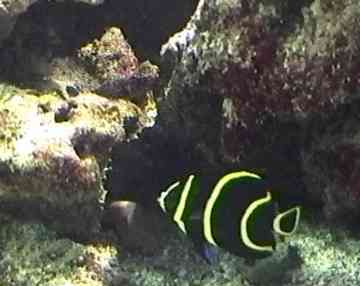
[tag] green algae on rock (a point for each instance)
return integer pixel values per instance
(56, 146)
(109, 55)
(33, 255)
(311, 257)
(53, 170)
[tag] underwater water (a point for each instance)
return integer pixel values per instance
(174, 143)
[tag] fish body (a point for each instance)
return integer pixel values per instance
(237, 214)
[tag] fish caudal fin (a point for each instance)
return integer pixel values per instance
(286, 223)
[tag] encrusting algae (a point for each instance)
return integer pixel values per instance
(33, 255)
(52, 167)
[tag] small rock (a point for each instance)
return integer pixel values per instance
(72, 90)
(136, 228)
(63, 113)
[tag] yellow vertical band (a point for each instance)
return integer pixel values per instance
(213, 197)
(244, 224)
(182, 204)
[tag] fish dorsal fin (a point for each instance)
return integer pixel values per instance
(286, 223)
(244, 233)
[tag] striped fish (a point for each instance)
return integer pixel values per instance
(239, 214)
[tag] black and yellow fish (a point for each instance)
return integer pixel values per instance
(239, 214)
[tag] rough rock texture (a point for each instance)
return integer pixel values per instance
(55, 147)
(106, 65)
(48, 29)
(270, 63)
(31, 254)
(270, 86)
(53, 169)
(262, 85)
(331, 163)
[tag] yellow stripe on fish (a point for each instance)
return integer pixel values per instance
(182, 204)
(238, 214)
(244, 235)
(212, 199)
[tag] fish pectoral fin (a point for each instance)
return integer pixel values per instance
(207, 251)
(210, 253)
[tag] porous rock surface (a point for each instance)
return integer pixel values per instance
(55, 146)
(268, 86)
(54, 169)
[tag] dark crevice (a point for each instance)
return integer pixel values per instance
(51, 29)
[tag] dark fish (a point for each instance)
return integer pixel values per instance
(238, 214)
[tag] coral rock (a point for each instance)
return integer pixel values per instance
(52, 170)
(245, 82)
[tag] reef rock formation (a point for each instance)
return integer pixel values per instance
(269, 72)
(44, 30)
(260, 85)
(269, 86)
(55, 146)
